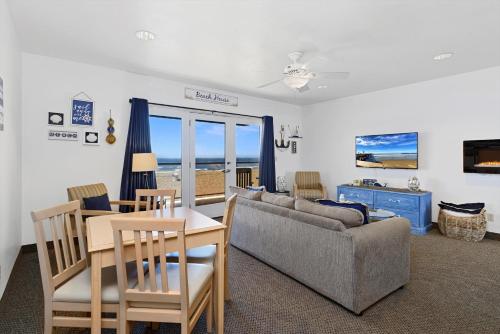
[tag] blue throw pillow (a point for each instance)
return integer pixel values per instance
(97, 203)
(356, 206)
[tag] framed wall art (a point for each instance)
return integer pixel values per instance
(56, 119)
(82, 110)
(64, 135)
(91, 138)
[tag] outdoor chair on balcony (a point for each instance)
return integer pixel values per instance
(308, 186)
(243, 177)
(95, 195)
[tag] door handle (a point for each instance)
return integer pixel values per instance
(226, 170)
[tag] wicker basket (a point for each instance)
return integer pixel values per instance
(468, 228)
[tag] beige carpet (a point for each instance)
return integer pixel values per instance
(454, 288)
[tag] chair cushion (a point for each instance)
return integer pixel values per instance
(203, 255)
(309, 193)
(198, 275)
(97, 203)
(308, 180)
(77, 289)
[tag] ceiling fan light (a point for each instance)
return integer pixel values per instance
(295, 82)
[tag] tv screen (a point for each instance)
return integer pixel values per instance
(397, 150)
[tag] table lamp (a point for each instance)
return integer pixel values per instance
(145, 163)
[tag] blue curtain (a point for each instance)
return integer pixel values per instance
(267, 172)
(138, 141)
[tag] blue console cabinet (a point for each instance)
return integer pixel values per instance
(415, 206)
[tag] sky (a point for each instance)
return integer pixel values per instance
(166, 136)
(391, 143)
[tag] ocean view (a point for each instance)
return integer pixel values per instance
(172, 164)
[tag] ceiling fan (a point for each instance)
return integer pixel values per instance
(297, 75)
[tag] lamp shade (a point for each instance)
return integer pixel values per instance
(144, 162)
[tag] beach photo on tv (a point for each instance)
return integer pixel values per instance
(398, 150)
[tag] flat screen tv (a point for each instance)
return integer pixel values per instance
(396, 150)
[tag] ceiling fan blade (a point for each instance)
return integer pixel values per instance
(269, 83)
(303, 89)
(332, 75)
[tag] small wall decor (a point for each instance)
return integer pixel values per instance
(281, 144)
(63, 135)
(56, 118)
(294, 147)
(82, 110)
(91, 138)
(294, 133)
(211, 97)
(110, 138)
(1, 105)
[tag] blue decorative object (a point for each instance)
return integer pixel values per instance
(97, 203)
(267, 172)
(356, 206)
(138, 141)
(82, 112)
(415, 206)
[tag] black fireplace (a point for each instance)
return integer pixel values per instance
(482, 156)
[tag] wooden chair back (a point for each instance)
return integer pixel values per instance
(150, 229)
(243, 177)
(228, 218)
(68, 261)
(155, 198)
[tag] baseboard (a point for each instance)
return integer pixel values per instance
(488, 235)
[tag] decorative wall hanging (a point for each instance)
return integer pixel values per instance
(294, 133)
(82, 110)
(281, 144)
(211, 97)
(63, 135)
(110, 138)
(56, 119)
(91, 138)
(1, 105)
(294, 147)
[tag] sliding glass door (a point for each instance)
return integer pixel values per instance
(201, 156)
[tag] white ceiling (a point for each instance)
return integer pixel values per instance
(238, 45)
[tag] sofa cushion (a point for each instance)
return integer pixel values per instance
(349, 217)
(280, 200)
(263, 206)
(320, 221)
(356, 206)
(97, 203)
(248, 194)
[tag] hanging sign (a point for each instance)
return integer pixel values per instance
(211, 97)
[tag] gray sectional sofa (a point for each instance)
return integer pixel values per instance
(325, 248)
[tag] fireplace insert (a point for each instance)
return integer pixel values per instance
(482, 156)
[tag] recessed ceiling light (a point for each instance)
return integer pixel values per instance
(145, 35)
(322, 86)
(443, 56)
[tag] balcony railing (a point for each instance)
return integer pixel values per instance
(210, 183)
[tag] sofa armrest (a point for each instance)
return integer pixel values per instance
(381, 259)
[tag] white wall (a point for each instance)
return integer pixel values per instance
(10, 147)
(49, 167)
(445, 112)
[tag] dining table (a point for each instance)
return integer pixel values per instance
(200, 230)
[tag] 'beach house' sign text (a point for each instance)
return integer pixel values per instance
(204, 96)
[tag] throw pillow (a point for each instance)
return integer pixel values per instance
(348, 216)
(248, 194)
(280, 200)
(356, 206)
(97, 203)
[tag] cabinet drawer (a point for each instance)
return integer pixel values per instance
(396, 201)
(357, 195)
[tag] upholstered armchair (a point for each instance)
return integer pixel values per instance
(308, 186)
(92, 190)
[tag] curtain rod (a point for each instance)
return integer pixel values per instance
(208, 110)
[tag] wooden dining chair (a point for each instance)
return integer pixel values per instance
(170, 292)
(67, 287)
(155, 199)
(206, 254)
